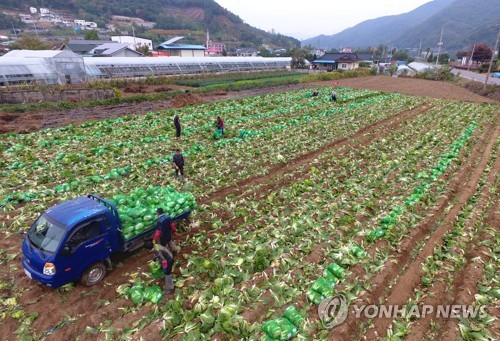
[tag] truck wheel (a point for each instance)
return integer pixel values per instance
(94, 274)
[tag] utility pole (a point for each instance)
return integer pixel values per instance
(439, 45)
(419, 51)
(14, 29)
(471, 56)
(133, 34)
(495, 50)
(36, 31)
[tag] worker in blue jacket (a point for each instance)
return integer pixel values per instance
(165, 230)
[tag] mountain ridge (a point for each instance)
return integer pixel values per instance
(464, 21)
(198, 16)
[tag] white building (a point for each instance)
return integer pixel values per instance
(33, 10)
(133, 42)
(44, 11)
(85, 24)
(27, 19)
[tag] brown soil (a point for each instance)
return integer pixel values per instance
(416, 87)
(28, 122)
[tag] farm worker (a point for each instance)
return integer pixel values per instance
(179, 164)
(166, 259)
(334, 96)
(220, 125)
(315, 93)
(165, 230)
(177, 124)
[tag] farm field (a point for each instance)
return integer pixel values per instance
(400, 192)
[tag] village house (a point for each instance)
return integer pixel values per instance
(341, 61)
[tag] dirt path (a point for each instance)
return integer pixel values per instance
(28, 122)
(416, 87)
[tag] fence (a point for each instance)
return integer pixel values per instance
(74, 95)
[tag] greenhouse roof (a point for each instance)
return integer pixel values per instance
(25, 69)
(116, 61)
(320, 61)
(182, 47)
(41, 54)
(110, 49)
(420, 66)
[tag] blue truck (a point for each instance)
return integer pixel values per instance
(74, 241)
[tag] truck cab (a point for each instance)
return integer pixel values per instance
(72, 241)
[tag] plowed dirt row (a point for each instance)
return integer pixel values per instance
(405, 284)
(465, 284)
(392, 270)
(70, 304)
(444, 293)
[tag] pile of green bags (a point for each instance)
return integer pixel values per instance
(323, 287)
(138, 210)
(283, 328)
(357, 251)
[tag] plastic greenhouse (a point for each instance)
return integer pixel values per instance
(62, 66)
(154, 66)
(44, 67)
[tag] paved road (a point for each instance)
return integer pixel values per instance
(476, 76)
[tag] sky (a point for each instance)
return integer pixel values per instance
(304, 19)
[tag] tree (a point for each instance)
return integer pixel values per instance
(482, 53)
(427, 51)
(444, 58)
(144, 49)
(30, 43)
(91, 35)
(400, 55)
(263, 52)
(299, 57)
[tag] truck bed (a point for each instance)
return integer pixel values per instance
(137, 241)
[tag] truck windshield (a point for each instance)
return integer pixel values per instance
(45, 234)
